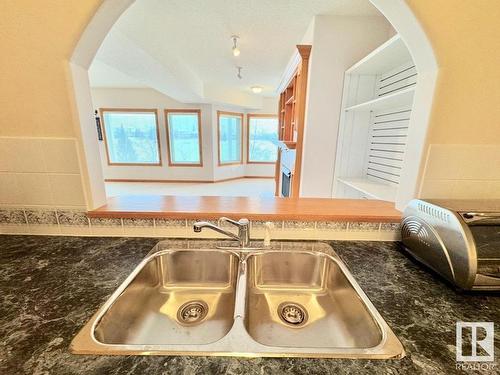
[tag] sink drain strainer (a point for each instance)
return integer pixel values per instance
(192, 312)
(292, 314)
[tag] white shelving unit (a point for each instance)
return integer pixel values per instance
(371, 189)
(377, 104)
(390, 54)
(396, 99)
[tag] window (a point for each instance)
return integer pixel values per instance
(131, 136)
(262, 139)
(230, 137)
(184, 137)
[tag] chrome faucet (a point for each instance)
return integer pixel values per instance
(243, 236)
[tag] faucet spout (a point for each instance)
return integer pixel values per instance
(199, 226)
(243, 225)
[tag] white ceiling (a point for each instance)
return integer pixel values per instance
(103, 75)
(190, 40)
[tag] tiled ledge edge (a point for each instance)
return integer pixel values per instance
(73, 222)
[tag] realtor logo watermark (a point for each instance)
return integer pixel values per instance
(475, 343)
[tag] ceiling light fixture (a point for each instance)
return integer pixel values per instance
(236, 50)
(239, 72)
(256, 89)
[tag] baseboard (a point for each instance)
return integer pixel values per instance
(142, 180)
(266, 177)
(185, 181)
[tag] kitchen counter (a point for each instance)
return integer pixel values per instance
(51, 286)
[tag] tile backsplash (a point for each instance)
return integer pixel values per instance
(456, 171)
(40, 171)
(41, 192)
(28, 220)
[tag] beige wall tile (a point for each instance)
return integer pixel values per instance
(479, 162)
(288, 234)
(462, 172)
(389, 236)
(330, 235)
(44, 229)
(21, 155)
(67, 190)
(14, 229)
(75, 230)
(205, 234)
(443, 162)
(139, 231)
(9, 189)
(171, 231)
(437, 189)
(467, 189)
(106, 231)
(361, 236)
(4, 155)
(34, 189)
(494, 189)
(60, 155)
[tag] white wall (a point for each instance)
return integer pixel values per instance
(338, 42)
(149, 98)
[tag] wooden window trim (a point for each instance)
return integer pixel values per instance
(258, 115)
(233, 114)
(135, 110)
(200, 138)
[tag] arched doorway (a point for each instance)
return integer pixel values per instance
(397, 13)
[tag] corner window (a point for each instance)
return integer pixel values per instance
(131, 136)
(229, 137)
(262, 139)
(184, 137)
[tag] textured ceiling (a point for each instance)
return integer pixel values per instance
(196, 34)
(103, 75)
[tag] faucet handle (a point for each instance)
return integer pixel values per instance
(243, 229)
(244, 222)
(239, 223)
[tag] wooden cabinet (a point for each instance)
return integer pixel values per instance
(291, 117)
(287, 109)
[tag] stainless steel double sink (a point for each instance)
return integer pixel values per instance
(298, 300)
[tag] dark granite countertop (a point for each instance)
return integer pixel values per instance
(51, 286)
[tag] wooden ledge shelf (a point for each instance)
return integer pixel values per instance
(272, 208)
(290, 144)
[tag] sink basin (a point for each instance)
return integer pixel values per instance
(303, 299)
(178, 297)
(297, 300)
